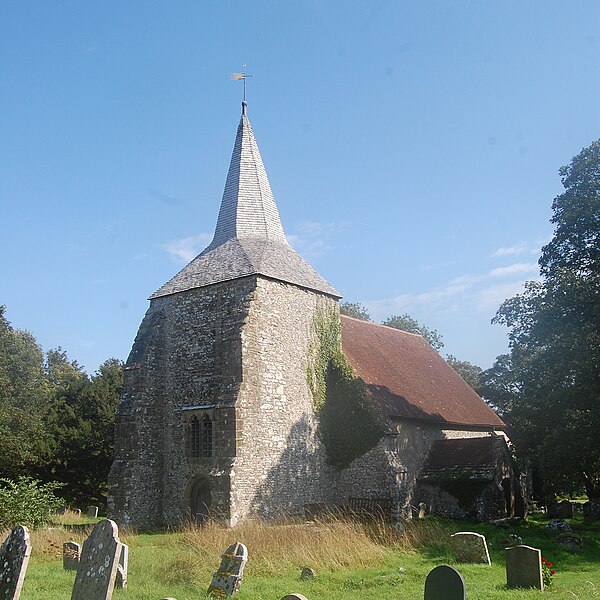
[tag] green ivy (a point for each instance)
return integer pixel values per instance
(348, 425)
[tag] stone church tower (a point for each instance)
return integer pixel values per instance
(217, 414)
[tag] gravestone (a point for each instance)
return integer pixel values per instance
(294, 597)
(569, 541)
(470, 547)
(228, 579)
(121, 579)
(307, 573)
(560, 510)
(71, 554)
(92, 512)
(14, 556)
(77, 512)
(422, 510)
(524, 568)
(98, 564)
(445, 583)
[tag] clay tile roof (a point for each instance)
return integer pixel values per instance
(249, 238)
(407, 378)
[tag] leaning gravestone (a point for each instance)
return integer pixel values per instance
(71, 554)
(14, 556)
(228, 579)
(121, 579)
(92, 512)
(445, 583)
(98, 564)
(470, 547)
(524, 568)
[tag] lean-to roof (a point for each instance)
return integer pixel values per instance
(407, 378)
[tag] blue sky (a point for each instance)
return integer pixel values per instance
(413, 149)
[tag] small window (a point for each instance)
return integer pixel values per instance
(201, 437)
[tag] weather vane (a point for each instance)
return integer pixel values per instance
(243, 75)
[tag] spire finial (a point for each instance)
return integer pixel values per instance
(242, 75)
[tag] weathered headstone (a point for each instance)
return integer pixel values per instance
(92, 512)
(470, 547)
(228, 579)
(77, 512)
(71, 554)
(569, 541)
(14, 556)
(121, 580)
(560, 510)
(307, 573)
(294, 597)
(98, 564)
(422, 510)
(445, 583)
(524, 567)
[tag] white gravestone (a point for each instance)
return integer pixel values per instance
(121, 580)
(227, 580)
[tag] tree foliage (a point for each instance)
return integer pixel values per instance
(468, 371)
(408, 323)
(23, 442)
(355, 310)
(549, 386)
(56, 422)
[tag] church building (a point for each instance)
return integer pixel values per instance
(231, 407)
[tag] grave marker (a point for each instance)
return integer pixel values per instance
(294, 597)
(470, 547)
(228, 579)
(98, 564)
(307, 573)
(524, 568)
(445, 583)
(422, 510)
(14, 556)
(92, 512)
(121, 579)
(71, 554)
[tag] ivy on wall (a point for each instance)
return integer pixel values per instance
(348, 425)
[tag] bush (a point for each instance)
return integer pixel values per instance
(27, 501)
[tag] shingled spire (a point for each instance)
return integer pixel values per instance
(249, 237)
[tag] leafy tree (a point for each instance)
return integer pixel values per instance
(355, 310)
(27, 501)
(407, 323)
(468, 371)
(81, 423)
(23, 442)
(552, 387)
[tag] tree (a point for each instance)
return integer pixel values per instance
(407, 323)
(468, 371)
(23, 440)
(354, 310)
(81, 423)
(554, 379)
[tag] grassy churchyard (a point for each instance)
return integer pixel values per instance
(351, 560)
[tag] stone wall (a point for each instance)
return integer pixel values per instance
(280, 464)
(187, 353)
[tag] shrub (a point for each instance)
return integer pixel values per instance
(27, 501)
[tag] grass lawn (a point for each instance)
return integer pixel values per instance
(351, 561)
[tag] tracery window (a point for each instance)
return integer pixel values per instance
(201, 437)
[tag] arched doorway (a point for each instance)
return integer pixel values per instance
(508, 497)
(200, 500)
